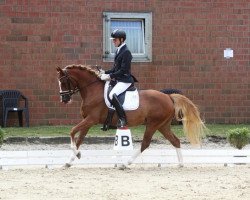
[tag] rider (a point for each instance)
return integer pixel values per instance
(120, 73)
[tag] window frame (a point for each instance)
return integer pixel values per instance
(147, 23)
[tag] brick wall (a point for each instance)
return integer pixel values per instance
(188, 42)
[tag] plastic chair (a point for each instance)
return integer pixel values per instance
(11, 103)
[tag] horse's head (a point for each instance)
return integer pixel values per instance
(67, 85)
(74, 78)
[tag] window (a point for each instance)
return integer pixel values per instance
(138, 28)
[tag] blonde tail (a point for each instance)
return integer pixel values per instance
(188, 113)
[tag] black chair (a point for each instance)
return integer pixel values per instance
(12, 103)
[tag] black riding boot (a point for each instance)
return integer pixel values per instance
(122, 122)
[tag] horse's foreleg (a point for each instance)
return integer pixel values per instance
(73, 147)
(79, 141)
(76, 152)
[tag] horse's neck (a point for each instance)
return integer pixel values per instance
(91, 88)
(91, 91)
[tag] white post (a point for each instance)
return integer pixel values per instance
(123, 142)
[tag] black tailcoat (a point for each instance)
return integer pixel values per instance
(121, 70)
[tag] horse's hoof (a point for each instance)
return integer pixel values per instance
(67, 165)
(180, 165)
(122, 167)
(130, 162)
(78, 155)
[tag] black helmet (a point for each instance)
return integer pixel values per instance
(118, 34)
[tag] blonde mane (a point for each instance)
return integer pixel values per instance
(83, 67)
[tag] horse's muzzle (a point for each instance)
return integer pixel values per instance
(65, 97)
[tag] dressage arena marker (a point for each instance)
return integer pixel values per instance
(123, 142)
(123, 139)
(110, 157)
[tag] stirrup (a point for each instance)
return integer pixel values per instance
(121, 123)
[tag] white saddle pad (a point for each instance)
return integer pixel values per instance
(131, 101)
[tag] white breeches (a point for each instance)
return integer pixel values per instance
(119, 88)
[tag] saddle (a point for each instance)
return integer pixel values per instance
(129, 100)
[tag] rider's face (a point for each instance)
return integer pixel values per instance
(116, 42)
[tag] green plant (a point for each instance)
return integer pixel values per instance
(1, 136)
(238, 137)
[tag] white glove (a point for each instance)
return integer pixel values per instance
(101, 71)
(105, 77)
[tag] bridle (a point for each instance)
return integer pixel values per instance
(70, 90)
(66, 95)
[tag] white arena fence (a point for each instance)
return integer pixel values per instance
(106, 157)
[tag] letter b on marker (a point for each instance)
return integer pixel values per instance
(125, 141)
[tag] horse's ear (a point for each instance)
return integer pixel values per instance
(59, 70)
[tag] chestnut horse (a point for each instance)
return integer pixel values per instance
(156, 111)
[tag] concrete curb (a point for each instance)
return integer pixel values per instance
(90, 140)
(65, 140)
(56, 140)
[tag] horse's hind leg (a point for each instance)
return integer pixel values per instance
(145, 143)
(170, 136)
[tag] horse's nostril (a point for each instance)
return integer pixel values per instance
(65, 98)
